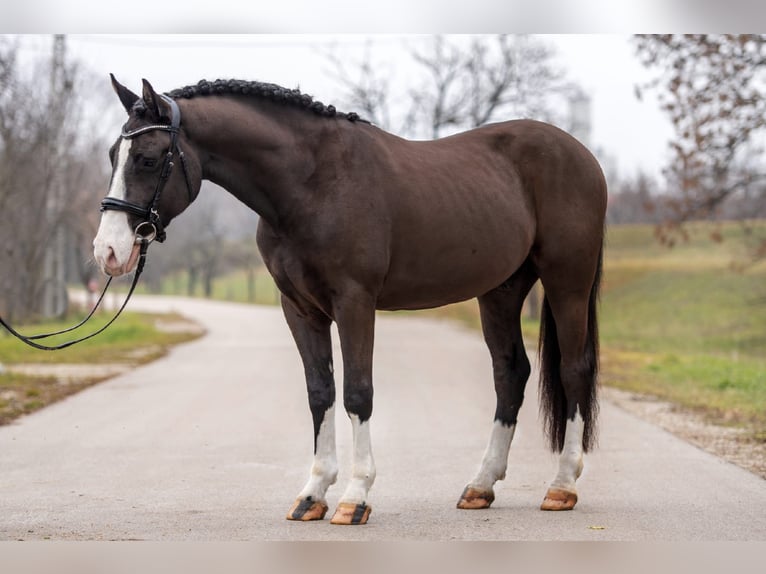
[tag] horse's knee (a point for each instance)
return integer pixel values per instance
(357, 400)
(321, 398)
(321, 394)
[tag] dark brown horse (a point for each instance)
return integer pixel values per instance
(354, 219)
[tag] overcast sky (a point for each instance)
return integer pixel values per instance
(634, 133)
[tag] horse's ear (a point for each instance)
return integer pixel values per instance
(127, 97)
(158, 107)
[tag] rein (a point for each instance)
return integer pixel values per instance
(31, 340)
(147, 231)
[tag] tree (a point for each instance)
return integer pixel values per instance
(465, 83)
(195, 244)
(48, 179)
(713, 87)
(631, 200)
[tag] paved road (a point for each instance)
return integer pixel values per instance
(213, 442)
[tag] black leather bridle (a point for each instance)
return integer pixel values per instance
(151, 226)
(149, 229)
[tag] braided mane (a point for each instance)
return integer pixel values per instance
(268, 91)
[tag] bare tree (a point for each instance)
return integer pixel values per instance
(632, 200)
(47, 178)
(713, 87)
(465, 82)
(195, 245)
(367, 89)
(446, 102)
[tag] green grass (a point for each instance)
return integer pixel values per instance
(682, 324)
(230, 287)
(20, 394)
(133, 339)
(130, 336)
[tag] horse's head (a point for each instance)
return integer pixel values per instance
(155, 176)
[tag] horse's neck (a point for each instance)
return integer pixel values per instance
(262, 159)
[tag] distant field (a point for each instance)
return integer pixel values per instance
(681, 324)
(232, 287)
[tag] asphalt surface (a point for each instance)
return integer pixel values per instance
(214, 441)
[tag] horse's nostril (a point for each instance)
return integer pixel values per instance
(111, 259)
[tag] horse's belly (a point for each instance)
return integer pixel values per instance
(423, 283)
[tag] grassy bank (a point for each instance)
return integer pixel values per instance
(684, 325)
(135, 338)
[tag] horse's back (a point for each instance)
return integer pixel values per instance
(517, 167)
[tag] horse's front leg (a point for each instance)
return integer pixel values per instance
(312, 336)
(355, 316)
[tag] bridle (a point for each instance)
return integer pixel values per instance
(149, 229)
(151, 226)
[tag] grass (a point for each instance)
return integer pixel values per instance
(231, 287)
(135, 338)
(21, 394)
(684, 325)
(132, 335)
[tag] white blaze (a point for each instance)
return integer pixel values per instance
(114, 232)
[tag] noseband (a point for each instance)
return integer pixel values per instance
(151, 226)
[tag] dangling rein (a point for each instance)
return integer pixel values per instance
(32, 340)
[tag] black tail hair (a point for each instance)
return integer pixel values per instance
(553, 403)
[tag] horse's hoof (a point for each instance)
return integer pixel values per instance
(307, 509)
(474, 499)
(557, 499)
(350, 513)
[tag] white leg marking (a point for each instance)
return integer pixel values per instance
(363, 470)
(570, 461)
(495, 460)
(114, 232)
(324, 471)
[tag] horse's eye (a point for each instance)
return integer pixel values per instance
(150, 162)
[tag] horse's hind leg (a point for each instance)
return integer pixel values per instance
(312, 336)
(500, 319)
(569, 367)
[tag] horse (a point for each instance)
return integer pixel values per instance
(354, 219)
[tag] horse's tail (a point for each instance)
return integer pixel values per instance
(553, 403)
